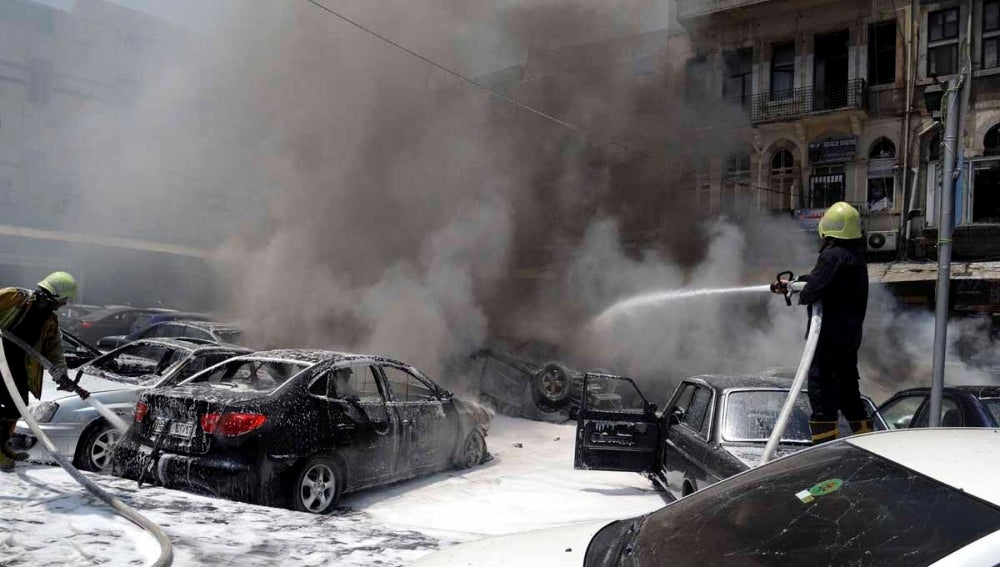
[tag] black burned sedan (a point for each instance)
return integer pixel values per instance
(300, 428)
(712, 428)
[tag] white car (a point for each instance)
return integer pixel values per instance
(908, 498)
(115, 379)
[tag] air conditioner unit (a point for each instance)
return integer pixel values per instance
(882, 241)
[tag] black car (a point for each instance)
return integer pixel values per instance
(76, 351)
(961, 406)
(117, 320)
(76, 310)
(712, 428)
(300, 428)
(199, 330)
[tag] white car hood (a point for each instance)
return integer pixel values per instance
(88, 382)
(552, 547)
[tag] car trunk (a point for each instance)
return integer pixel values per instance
(173, 417)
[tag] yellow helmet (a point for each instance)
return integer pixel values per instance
(60, 284)
(841, 221)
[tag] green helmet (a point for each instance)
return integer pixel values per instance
(60, 285)
(841, 221)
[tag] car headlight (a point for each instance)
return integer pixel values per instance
(44, 412)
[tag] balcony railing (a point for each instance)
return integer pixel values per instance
(687, 9)
(777, 105)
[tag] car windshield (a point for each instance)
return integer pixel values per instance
(250, 375)
(140, 364)
(750, 416)
(836, 504)
(993, 405)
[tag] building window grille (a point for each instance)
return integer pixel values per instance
(827, 185)
(738, 82)
(882, 148)
(881, 175)
(781, 181)
(942, 42)
(782, 71)
(991, 34)
(882, 53)
(737, 196)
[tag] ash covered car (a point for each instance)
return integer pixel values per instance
(532, 383)
(713, 427)
(300, 428)
(115, 379)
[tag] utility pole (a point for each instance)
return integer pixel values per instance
(945, 221)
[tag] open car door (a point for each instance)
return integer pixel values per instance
(617, 429)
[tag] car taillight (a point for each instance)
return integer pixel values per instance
(86, 324)
(231, 424)
(140, 411)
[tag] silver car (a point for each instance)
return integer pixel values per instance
(115, 379)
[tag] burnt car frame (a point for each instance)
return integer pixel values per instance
(961, 406)
(693, 443)
(321, 425)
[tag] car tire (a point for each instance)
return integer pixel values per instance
(552, 385)
(97, 447)
(472, 452)
(317, 486)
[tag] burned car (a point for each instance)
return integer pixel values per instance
(300, 428)
(519, 386)
(712, 428)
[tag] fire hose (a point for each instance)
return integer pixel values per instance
(812, 339)
(166, 556)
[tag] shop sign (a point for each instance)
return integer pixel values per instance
(833, 150)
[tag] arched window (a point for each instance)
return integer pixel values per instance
(781, 181)
(736, 191)
(882, 148)
(991, 142)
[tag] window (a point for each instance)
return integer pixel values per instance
(737, 84)
(695, 416)
(991, 34)
(882, 53)
(782, 70)
(356, 381)
(882, 148)
(881, 175)
(781, 181)
(137, 320)
(138, 363)
(250, 375)
(684, 398)
(407, 387)
(191, 332)
(196, 365)
(991, 141)
(736, 194)
(695, 79)
(751, 415)
(951, 416)
(942, 42)
(827, 185)
(898, 413)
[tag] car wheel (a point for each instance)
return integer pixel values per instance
(98, 448)
(317, 487)
(473, 450)
(552, 384)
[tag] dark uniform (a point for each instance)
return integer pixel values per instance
(840, 281)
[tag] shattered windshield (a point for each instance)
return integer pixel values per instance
(750, 416)
(250, 375)
(834, 505)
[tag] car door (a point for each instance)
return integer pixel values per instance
(686, 446)
(429, 432)
(366, 429)
(619, 432)
(899, 411)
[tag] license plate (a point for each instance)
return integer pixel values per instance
(185, 430)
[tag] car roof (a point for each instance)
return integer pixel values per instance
(977, 391)
(121, 309)
(966, 459)
(729, 382)
(193, 345)
(313, 357)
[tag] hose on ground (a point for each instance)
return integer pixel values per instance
(166, 557)
(815, 323)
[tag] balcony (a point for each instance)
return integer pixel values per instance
(689, 9)
(784, 105)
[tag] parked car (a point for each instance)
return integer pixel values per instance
(531, 383)
(118, 320)
(201, 330)
(76, 351)
(115, 379)
(961, 406)
(76, 310)
(712, 428)
(300, 428)
(900, 498)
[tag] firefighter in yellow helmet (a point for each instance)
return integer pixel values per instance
(840, 281)
(30, 316)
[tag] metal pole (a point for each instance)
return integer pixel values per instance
(945, 220)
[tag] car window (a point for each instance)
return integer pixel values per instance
(835, 504)
(250, 375)
(951, 415)
(192, 332)
(697, 411)
(139, 321)
(750, 415)
(898, 413)
(993, 406)
(407, 387)
(356, 381)
(136, 363)
(684, 398)
(230, 336)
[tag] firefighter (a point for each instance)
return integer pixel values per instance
(840, 281)
(30, 315)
